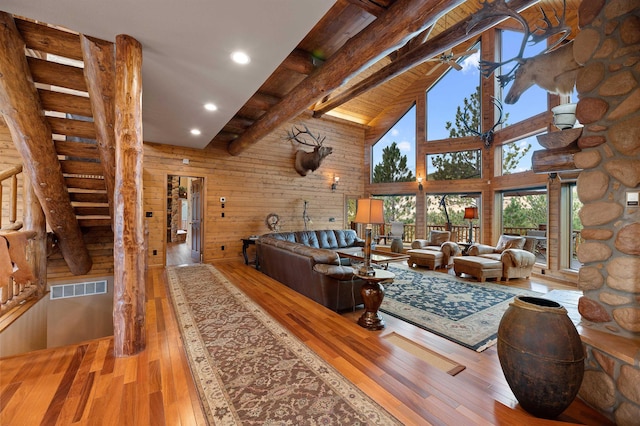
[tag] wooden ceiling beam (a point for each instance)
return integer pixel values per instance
(262, 101)
(299, 61)
(401, 21)
(440, 43)
(374, 8)
(32, 137)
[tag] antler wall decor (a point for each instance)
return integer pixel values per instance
(486, 137)
(554, 70)
(308, 161)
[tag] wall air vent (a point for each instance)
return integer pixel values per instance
(65, 291)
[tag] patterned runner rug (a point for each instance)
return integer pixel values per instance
(467, 313)
(251, 370)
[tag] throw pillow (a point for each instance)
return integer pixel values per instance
(508, 241)
(436, 238)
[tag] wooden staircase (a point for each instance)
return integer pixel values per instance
(55, 59)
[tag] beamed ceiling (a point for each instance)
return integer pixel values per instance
(351, 57)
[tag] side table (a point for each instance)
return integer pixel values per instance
(372, 293)
(246, 242)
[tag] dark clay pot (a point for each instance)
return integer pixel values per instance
(541, 355)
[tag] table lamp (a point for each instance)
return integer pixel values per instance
(470, 213)
(369, 211)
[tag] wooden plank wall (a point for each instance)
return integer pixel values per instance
(259, 181)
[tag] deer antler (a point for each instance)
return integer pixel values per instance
(500, 8)
(550, 30)
(486, 137)
(317, 140)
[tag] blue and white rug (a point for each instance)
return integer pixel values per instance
(465, 312)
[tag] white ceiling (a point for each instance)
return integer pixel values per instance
(186, 51)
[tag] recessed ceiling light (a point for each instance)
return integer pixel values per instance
(195, 132)
(210, 107)
(240, 57)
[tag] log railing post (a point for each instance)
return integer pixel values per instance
(35, 220)
(129, 245)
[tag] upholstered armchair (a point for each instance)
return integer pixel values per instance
(514, 252)
(439, 241)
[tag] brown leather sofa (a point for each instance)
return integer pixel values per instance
(307, 262)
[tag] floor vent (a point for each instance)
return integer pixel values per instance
(65, 291)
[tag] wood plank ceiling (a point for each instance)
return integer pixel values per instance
(346, 19)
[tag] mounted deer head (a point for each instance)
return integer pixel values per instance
(486, 137)
(308, 161)
(554, 72)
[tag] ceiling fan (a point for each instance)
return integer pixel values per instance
(449, 58)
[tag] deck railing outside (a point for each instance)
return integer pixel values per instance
(460, 233)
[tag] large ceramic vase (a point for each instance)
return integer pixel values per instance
(541, 355)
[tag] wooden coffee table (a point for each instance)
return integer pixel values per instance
(381, 258)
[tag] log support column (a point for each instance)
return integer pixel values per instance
(129, 245)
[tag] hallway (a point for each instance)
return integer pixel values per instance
(179, 254)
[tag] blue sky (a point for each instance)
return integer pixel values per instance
(449, 93)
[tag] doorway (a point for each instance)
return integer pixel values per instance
(184, 220)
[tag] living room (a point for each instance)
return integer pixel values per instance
(262, 180)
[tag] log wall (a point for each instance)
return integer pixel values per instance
(260, 181)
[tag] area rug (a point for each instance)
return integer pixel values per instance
(464, 312)
(251, 370)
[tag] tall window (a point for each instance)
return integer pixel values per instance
(450, 94)
(525, 212)
(400, 208)
(573, 238)
(454, 165)
(394, 155)
(534, 100)
(446, 212)
(516, 156)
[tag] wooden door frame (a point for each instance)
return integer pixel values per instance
(204, 209)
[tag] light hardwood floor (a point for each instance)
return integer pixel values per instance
(83, 384)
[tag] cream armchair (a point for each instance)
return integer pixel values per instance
(439, 241)
(515, 254)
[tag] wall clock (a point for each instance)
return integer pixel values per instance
(272, 221)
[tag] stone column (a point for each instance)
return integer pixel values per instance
(608, 47)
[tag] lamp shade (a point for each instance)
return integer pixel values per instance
(369, 210)
(471, 213)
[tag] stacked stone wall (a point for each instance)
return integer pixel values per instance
(608, 48)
